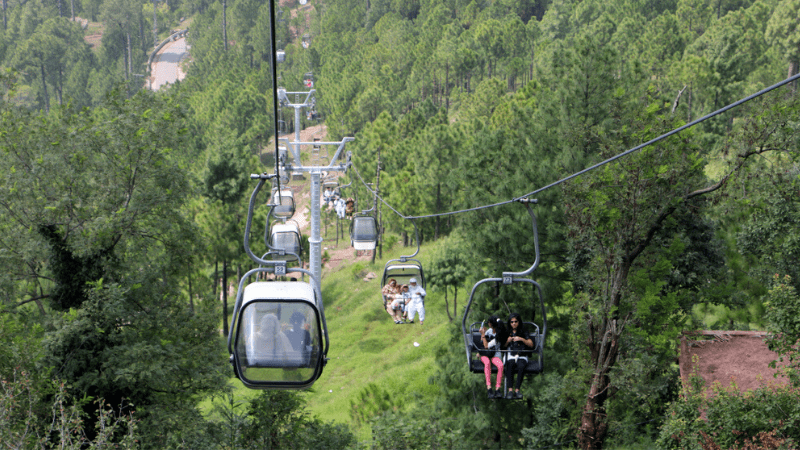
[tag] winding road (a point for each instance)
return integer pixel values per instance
(166, 66)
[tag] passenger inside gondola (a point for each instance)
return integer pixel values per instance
(519, 344)
(493, 338)
(298, 334)
(276, 344)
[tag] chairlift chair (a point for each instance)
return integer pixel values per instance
(472, 336)
(403, 270)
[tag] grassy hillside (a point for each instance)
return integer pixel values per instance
(368, 352)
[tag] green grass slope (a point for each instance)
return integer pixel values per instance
(367, 347)
(370, 356)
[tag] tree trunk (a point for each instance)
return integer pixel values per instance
(447, 87)
(60, 89)
(44, 90)
(438, 209)
(447, 305)
(191, 299)
(71, 9)
(225, 297)
(124, 57)
(155, 25)
(141, 33)
(604, 348)
(216, 277)
(130, 63)
(224, 25)
(5, 17)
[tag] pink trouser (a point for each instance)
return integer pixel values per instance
(487, 370)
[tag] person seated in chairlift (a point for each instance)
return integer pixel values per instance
(417, 302)
(350, 207)
(340, 208)
(298, 335)
(398, 305)
(388, 292)
(492, 339)
(519, 344)
(327, 197)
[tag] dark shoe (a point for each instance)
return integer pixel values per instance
(411, 321)
(490, 394)
(518, 395)
(510, 395)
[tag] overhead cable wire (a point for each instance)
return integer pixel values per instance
(666, 135)
(598, 165)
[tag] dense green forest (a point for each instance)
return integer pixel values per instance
(122, 213)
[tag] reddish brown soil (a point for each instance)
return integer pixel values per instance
(726, 357)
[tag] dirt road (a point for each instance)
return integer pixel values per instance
(166, 67)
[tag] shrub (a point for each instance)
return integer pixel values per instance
(765, 418)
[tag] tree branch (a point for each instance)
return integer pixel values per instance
(32, 299)
(677, 100)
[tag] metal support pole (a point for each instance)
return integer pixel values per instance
(297, 124)
(315, 241)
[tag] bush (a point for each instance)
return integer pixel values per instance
(768, 417)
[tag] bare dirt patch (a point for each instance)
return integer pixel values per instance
(726, 357)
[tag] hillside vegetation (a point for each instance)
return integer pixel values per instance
(122, 213)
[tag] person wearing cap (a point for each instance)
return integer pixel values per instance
(417, 302)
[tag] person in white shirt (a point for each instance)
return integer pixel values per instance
(417, 302)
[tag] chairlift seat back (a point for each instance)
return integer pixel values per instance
(403, 272)
(534, 355)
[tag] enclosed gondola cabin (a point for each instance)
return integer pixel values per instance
(284, 204)
(286, 237)
(279, 336)
(363, 232)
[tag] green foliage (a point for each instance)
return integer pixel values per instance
(370, 402)
(279, 419)
(765, 415)
(450, 268)
(63, 423)
(783, 316)
(393, 430)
